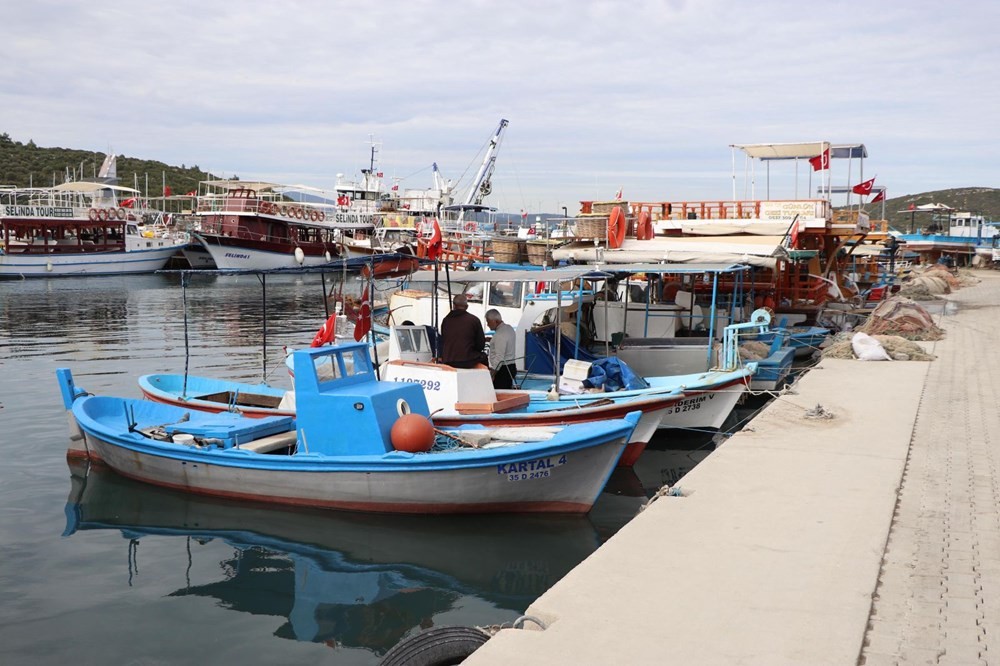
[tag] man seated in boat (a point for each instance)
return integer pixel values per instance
(462, 336)
(502, 361)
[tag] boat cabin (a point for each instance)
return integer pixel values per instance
(337, 391)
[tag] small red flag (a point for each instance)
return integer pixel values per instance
(167, 191)
(325, 334)
(864, 188)
(364, 323)
(821, 161)
(879, 197)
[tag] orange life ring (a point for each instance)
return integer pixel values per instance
(121, 213)
(644, 227)
(320, 216)
(94, 215)
(112, 214)
(103, 214)
(283, 210)
(314, 215)
(616, 227)
(299, 214)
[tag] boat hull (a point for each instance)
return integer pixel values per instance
(569, 487)
(564, 473)
(706, 409)
(77, 264)
(230, 253)
(772, 372)
(707, 399)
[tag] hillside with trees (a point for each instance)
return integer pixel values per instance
(982, 200)
(28, 165)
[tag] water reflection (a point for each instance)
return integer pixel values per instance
(352, 580)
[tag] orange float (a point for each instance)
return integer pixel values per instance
(616, 227)
(644, 228)
(413, 433)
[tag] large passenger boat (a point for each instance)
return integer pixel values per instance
(78, 228)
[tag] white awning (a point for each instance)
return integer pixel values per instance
(791, 151)
(783, 151)
(89, 187)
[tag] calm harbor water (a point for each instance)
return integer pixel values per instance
(95, 568)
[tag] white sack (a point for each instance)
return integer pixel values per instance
(867, 348)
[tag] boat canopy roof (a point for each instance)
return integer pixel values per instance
(805, 150)
(515, 275)
(660, 268)
(89, 187)
(244, 184)
(569, 273)
(927, 208)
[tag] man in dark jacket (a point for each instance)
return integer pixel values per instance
(462, 337)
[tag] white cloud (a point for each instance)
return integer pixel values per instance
(646, 95)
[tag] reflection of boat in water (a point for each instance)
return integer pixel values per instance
(353, 579)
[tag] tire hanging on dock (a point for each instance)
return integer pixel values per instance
(436, 647)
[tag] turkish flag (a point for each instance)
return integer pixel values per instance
(821, 161)
(364, 323)
(879, 197)
(864, 188)
(434, 244)
(794, 237)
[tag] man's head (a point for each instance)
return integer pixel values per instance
(493, 318)
(460, 302)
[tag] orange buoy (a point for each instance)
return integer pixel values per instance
(644, 228)
(413, 433)
(616, 227)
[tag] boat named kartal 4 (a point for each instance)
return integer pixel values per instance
(341, 450)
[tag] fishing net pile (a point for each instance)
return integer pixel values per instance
(903, 317)
(754, 350)
(898, 348)
(933, 281)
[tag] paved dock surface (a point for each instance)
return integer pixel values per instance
(872, 537)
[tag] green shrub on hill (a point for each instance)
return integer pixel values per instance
(26, 165)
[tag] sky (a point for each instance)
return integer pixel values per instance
(646, 95)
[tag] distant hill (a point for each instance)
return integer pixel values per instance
(25, 164)
(983, 200)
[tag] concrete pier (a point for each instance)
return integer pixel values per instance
(872, 537)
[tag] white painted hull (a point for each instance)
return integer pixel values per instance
(704, 410)
(242, 258)
(85, 263)
(569, 487)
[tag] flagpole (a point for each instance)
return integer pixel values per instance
(850, 164)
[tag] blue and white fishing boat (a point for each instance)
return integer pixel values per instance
(341, 452)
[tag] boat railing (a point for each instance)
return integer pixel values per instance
(773, 210)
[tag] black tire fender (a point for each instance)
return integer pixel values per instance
(443, 646)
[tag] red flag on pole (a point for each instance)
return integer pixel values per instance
(864, 188)
(364, 322)
(879, 197)
(434, 244)
(167, 191)
(821, 161)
